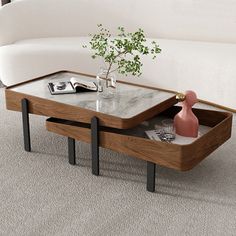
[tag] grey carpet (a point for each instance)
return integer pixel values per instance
(41, 194)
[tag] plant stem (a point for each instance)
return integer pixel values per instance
(108, 71)
(120, 53)
(114, 70)
(110, 65)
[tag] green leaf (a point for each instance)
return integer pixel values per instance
(123, 51)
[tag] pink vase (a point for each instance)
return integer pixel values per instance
(185, 122)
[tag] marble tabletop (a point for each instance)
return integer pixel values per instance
(130, 100)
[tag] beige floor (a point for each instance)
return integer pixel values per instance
(41, 194)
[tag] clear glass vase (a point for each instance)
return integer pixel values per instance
(106, 84)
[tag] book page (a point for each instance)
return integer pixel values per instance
(77, 82)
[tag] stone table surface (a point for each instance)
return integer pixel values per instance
(130, 100)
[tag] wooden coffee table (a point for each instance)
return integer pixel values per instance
(116, 123)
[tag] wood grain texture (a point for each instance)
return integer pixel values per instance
(201, 148)
(45, 107)
(174, 156)
(134, 146)
(124, 82)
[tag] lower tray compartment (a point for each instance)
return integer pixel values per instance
(135, 143)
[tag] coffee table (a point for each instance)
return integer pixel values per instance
(116, 123)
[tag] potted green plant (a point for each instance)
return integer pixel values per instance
(121, 54)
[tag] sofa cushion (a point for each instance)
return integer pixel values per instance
(211, 20)
(29, 59)
(207, 68)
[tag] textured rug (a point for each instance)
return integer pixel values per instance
(41, 194)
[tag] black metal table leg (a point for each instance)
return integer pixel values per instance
(95, 145)
(26, 127)
(151, 173)
(71, 151)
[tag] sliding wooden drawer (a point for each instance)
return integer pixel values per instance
(135, 143)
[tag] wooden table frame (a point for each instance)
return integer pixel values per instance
(41, 106)
(29, 104)
(220, 121)
(95, 134)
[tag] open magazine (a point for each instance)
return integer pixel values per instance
(74, 85)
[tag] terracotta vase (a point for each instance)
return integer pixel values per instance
(185, 122)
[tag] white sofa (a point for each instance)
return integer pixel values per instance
(198, 41)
